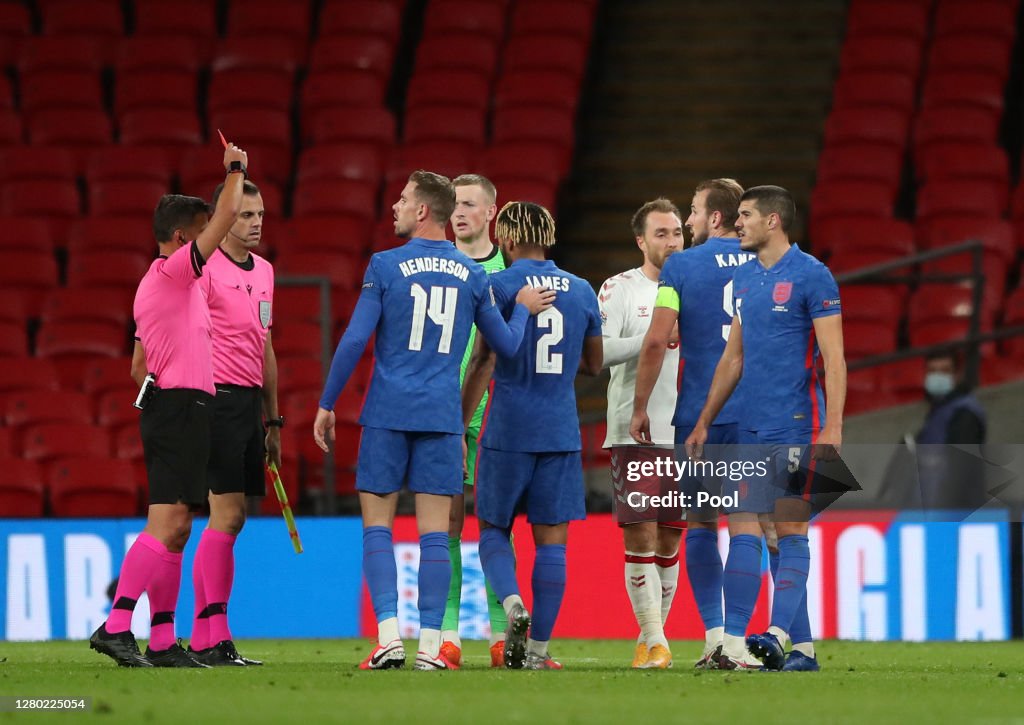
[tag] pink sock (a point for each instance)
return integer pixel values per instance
(218, 552)
(163, 591)
(139, 564)
(200, 622)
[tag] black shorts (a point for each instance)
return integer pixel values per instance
(175, 427)
(237, 448)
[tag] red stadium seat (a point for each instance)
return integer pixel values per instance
(445, 123)
(104, 374)
(299, 304)
(850, 260)
(997, 19)
(260, 52)
(265, 127)
(250, 89)
(343, 271)
(950, 198)
(20, 233)
(849, 198)
(48, 89)
(450, 88)
(87, 305)
(71, 127)
(958, 89)
(299, 374)
(464, 16)
(527, 161)
(939, 302)
(877, 163)
(879, 126)
(353, 52)
(881, 53)
(35, 407)
(122, 163)
(942, 125)
(269, 17)
(349, 234)
(132, 234)
(297, 339)
(6, 95)
(100, 19)
(169, 54)
(22, 374)
(891, 237)
(361, 17)
(156, 89)
(56, 440)
(539, 192)
(80, 339)
(43, 198)
(93, 488)
(965, 161)
(444, 157)
(903, 378)
(22, 493)
(107, 269)
(165, 128)
(874, 89)
(13, 339)
(14, 307)
(374, 126)
(863, 338)
(995, 234)
(457, 51)
(994, 268)
(28, 162)
(121, 197)
(15, 30)
(128, 444)
(43, 53)
(11, 132)
(876, 303)
(555, 126)
(28, 269)
(193, 18)
(354, 197)
(536, 17)
(888, 18)
(970, 53)
(555, 52)
(550, 89)
(340, 161)
(341, 89)
(115, 408)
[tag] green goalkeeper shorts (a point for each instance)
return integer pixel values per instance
(473, 445)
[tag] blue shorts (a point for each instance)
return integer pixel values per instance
(425, 462)
(718, 448)
(548, 486)
(786, 453)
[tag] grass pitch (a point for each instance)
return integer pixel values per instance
(312, 681)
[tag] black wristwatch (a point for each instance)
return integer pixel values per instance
(274, 422)
(237, 167)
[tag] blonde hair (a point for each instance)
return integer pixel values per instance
(523, 222)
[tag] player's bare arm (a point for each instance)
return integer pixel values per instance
(727, 377)
(228, 205)
(478, 377)
(829, 333)
(591, 361)
(535, 299)
(664, 326)
(270, 410)
(139, 369)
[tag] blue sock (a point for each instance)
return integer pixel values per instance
(791, 582)
(773, 563)
(380, 571)
(499, 562)
(548, 589)
(434, 578)
(741, 582)
(800, 630)
(704, 569)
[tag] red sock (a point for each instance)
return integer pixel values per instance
(200, 623)
(218, 552)
(163, 591)
(141, 561)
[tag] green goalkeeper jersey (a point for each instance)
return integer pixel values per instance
(494, 263)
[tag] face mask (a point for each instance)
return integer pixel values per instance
(938, 385)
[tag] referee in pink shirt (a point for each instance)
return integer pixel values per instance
(239, 289)
(173, 329)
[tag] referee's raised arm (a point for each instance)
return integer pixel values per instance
(229, 203)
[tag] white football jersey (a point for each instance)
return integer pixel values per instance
(627, 304)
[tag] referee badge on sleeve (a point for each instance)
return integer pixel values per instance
(265, 313)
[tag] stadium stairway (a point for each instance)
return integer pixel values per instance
(688, 90)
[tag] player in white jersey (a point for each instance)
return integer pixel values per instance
(651, 534)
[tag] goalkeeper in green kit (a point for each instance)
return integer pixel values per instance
(475, 208)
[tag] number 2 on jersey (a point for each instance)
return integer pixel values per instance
(548, 362)
(440, 306)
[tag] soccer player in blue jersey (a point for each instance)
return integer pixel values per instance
(787, 311)
(421, 300)
(695, 292)
(530, 446)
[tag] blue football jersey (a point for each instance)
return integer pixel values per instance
(776, 308)
(533, 402)
(430, 295)
(702, 280)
